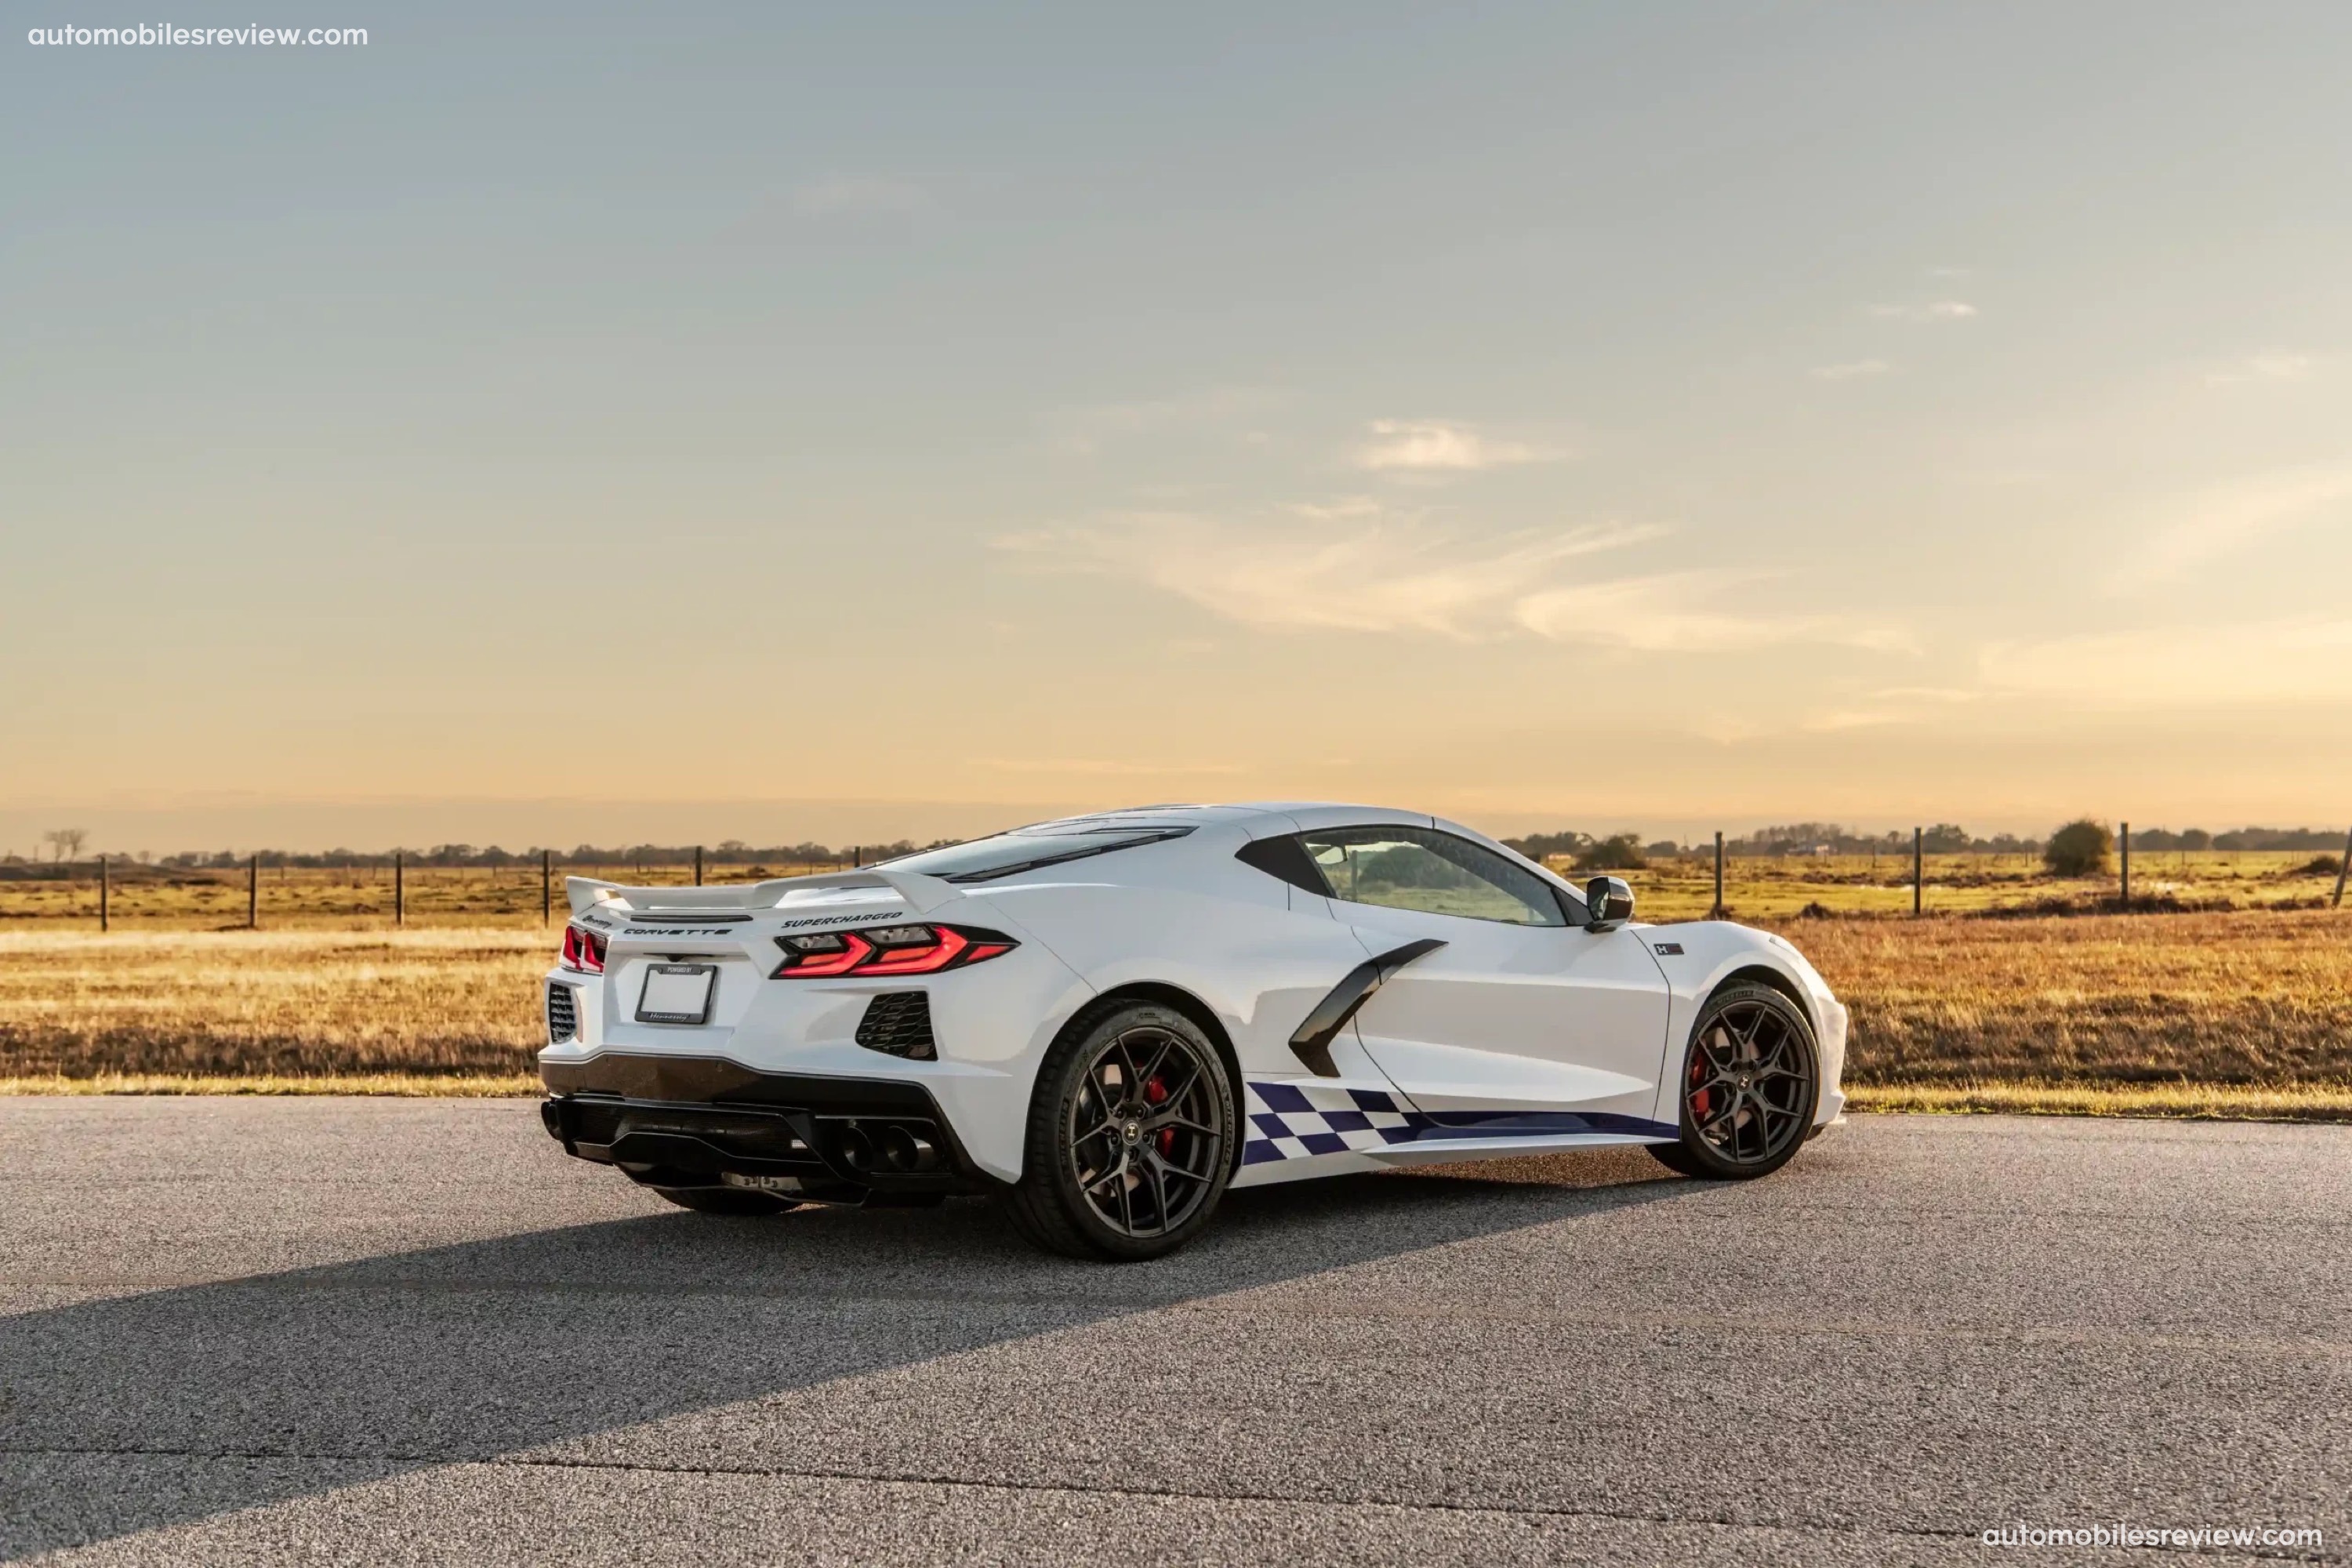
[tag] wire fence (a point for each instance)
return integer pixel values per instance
(395, 891)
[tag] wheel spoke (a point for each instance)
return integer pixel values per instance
(1183, 1086)
(1153, 1168)
(1167, 1044)
(1731, 1110)
(1134, 1188)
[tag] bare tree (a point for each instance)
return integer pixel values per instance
(68, 841)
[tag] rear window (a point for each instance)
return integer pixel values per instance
(1025, 849)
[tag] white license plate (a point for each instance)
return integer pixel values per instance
(759, 1183)
(676, 994)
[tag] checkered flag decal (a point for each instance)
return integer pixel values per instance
(1292, 1120)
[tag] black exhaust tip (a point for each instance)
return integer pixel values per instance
(856, 1150)
(906, 1153)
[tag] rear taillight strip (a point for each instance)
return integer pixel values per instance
(895, 950)
(583, 951)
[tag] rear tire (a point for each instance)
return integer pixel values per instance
(725, 1200)
(1130, 1136)
(1751, 1087)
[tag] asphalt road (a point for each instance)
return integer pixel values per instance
(387, 1330)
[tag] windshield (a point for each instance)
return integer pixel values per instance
(1025, 849)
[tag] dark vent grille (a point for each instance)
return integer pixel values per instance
(899, 1022)
(562, 1013)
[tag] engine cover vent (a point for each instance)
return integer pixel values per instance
(562, 1013)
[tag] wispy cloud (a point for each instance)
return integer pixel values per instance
(1438, 446)
(2299, 660)
(1082, 431)
(1682, 611)
(1383, 573)
(1894, 705)
(858, 194)
(1106, 767)
(1932, 310)
(2235, 516)
(1853, 370)
(1342, 568)
(2263, 367)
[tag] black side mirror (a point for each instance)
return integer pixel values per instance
(1608, 903)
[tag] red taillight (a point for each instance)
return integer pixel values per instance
(888, 950)
(583, 951)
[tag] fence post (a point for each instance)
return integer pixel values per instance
(1717, 913)
(546, 885)
(2125, 842)
(252, 893)
(1919, 873)
(2342, 866)
(698, 865)
(103, 891)
(399, 888)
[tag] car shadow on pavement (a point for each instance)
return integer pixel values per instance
(134, 1412)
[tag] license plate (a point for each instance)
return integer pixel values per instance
(759, 1183)
(676, 994)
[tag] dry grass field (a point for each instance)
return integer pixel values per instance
(1758, 889)
(269, 1002)
(1961, 1010)
(1778, 887)
(146, 898)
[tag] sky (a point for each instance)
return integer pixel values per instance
(554, 425)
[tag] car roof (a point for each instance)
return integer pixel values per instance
(1289, 813)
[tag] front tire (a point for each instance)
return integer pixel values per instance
(1751, 1087)
(1130, 1134)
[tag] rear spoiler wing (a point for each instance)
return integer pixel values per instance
(923, 894)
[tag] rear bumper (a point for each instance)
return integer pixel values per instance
(701, 1121)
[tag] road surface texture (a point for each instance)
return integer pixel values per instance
(241, 1331)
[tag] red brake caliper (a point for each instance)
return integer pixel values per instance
(1155, 1092)
(1700, 1100)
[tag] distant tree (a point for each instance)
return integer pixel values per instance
(2196, 838)
(1540, 847)
(68, 841)
(1664, 849)
(1945, 838)
(1618, 852)
(2081, 848)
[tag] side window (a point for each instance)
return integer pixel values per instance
(1436, 873)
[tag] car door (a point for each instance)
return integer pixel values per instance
(1519, 1009)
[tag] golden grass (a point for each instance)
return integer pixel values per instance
(415, 1086)
(312, 898)
(2192, 1101)
(276, 1003)
(1778, 887)
(2249, 998)
(300, 898)
(2253, 1003)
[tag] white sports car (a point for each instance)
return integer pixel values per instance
(1110, 1020)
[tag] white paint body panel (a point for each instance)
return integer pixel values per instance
(1508, 1040)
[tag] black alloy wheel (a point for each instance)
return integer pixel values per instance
(1130, 1138)
(1750, 1086)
